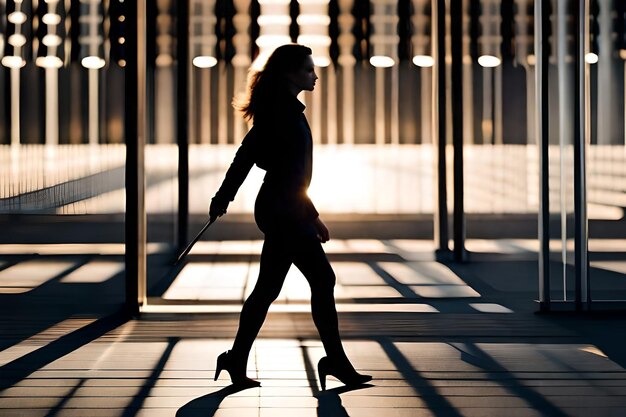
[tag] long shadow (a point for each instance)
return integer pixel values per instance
(472, 354)
(437, 403)
(603, 329)
(57, 408)
(19, 369)
(207, 405)
(138, 400)
(390, 280)
(69, 299)
(329, 402)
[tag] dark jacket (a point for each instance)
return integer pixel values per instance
(280, 143)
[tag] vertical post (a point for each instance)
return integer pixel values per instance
(542, 44)
(381, 107)
(439, 123)
(182, 120)
(456, 38)
(14, 75)
(581, 133)
(565, 125)
(135, 129)
(52, 107)
(94, 96)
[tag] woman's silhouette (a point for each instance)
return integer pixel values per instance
(280, 143)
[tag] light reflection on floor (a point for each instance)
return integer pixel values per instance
(94, 272)
(73, 248)
(27, 275)
(362, 284)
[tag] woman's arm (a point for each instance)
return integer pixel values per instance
(236, 174)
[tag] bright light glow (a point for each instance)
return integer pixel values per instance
(531, 60)
(622, 54)
(12, 61)
(260, 60)
(270, 2)
(51, 40)
(17, 40)
(164, 60)
(489, 61)
(272, 41)
(49, 62)
(380, 61)
(314, 40)
(17, 18)
(268, 20)
(593, 350)
(423, 61)
(591, 58)
(121, 63)
(321, 61)
(204, 61)
(92, 62)
(313, 19)
(51, 19)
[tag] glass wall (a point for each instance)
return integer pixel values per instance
(606, 157)
(62, 124)
(62, 153)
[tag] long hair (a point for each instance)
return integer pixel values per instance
(265, 86)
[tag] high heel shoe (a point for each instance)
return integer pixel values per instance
(346, 374)
(225, 361)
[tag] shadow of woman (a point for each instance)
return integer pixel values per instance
(207, 405)
(329, 401)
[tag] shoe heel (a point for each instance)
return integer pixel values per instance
(219, 365)
(322, 372)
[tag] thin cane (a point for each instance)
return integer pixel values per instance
(195, 239)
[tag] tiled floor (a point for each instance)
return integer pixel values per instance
(440, 340)
(168, 377)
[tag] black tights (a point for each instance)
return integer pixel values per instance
(276, 258)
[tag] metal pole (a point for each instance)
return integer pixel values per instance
(135, 113)
(542, 16)
(182, 121)
(581, 133)
(439, 123)
(456, 37)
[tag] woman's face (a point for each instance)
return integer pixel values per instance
(304, 78)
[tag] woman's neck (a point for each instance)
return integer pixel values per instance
(293, 89)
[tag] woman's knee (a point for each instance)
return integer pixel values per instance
(263, 296)
(324, 282)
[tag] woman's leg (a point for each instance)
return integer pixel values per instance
(275, 263)
(311, 260)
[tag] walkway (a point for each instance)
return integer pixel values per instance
(440, 339)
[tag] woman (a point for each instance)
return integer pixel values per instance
(280, 143)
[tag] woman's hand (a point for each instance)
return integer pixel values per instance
(322, 231)
(218, 208)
